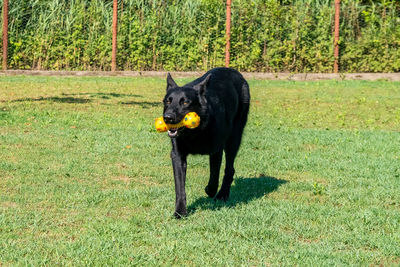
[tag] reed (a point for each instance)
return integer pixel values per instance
(267, 35)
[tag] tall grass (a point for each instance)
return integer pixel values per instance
(267, 35)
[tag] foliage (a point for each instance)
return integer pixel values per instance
(267, 35)
(86, 179)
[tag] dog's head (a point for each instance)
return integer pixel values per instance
(179, 101)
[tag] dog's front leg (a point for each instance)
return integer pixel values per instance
(179, 166)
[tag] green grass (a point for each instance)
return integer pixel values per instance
(86, 180)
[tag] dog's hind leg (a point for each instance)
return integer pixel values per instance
(215, 165)
(231, 149)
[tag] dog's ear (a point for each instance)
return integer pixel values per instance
(202, 86)
(170, 82)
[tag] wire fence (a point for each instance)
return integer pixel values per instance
(189, 35)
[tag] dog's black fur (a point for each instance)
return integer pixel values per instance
(221, 98)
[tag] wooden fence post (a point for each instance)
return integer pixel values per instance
(336, 44)
(228, 32)
(5, 33)
(114, 37)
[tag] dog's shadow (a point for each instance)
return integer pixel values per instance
(243, 191)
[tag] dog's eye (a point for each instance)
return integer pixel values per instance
(183, 101)
(168, 102)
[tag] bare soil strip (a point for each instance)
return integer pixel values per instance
(251, 75)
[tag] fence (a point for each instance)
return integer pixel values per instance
(266, 35)
(5, 33)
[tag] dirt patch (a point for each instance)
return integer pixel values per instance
(9, 204)
(249, 75)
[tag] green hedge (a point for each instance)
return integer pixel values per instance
(267, 35)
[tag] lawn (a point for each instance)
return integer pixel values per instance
(86, 180)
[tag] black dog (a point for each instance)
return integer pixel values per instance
(221, 98)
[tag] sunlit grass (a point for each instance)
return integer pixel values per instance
(86, 180)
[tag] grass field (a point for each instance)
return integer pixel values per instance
(86, 180)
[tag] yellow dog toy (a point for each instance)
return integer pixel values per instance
(191, 121)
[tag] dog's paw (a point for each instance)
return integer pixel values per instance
(210, 192)
(222, 195)
(180, 214)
